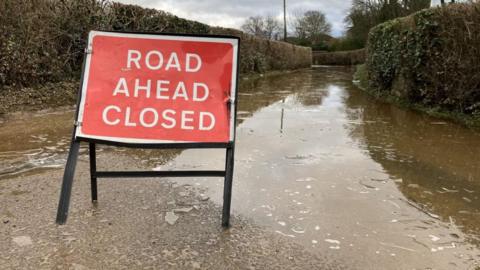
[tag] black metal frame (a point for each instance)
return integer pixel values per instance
(64, 202)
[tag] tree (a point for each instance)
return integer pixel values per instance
(272, 28)
(312, 27)
(265, 27)
(365, 14)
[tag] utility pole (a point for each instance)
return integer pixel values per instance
(284, 20)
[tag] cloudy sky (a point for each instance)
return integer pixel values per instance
(232, 13)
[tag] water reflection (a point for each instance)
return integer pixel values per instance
(435, 162)
(320, 162)
(34, 142)
(316, 181)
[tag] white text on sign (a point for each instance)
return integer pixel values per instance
(149, 117)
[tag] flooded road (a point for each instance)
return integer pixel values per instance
(321, 164)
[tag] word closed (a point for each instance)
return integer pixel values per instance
(140, 88)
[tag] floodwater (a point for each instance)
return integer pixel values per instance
(322, 164)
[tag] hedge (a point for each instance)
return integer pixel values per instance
(344, 58)
(431, 58)
(42, 41)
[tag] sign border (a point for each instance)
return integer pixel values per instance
(73, 153)
(232, 40)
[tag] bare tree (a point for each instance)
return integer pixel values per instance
(254, 25)
(312, 26)
(272, 27)
(266, 27)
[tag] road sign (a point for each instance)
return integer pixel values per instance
(146, 90)
(157, 88)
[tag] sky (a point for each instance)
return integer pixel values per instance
(232, 13)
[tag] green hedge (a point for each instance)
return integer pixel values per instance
(344, 58)
(430, 58)
(42, 41)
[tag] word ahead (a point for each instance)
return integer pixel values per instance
(156, 88)
(155, 91)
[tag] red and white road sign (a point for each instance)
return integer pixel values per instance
(147, 88)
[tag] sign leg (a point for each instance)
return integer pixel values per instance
(93, 170)
(227, 187)
(62, 211)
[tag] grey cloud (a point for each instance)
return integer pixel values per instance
(233, 13)
(229, 13)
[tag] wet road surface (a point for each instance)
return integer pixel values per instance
(321, 167)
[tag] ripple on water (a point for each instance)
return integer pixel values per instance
(44, 153)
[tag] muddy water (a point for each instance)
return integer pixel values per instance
(321, 163)
(32, 143)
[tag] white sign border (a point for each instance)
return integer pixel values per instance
(232, 41)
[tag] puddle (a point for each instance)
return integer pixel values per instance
(321, 163)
